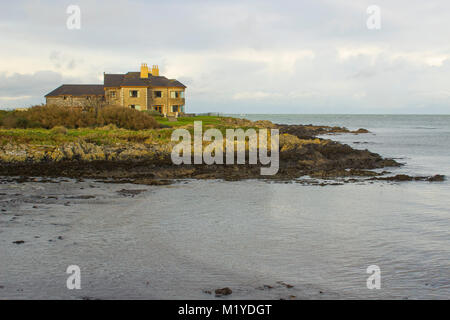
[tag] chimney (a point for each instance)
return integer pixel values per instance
(155, 70)
(144, 71)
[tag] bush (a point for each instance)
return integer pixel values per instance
(126, 118)
(16, 120)
(153, 113)
(59, 116)
(59, 130)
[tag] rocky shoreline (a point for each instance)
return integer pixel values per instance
(302, 153)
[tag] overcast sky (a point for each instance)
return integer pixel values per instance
(314, 56)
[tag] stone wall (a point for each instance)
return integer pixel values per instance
(75, 101)
(113, 96)
(140, 100)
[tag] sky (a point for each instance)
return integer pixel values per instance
(315, 56)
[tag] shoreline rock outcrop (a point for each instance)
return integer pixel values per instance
(302, 153)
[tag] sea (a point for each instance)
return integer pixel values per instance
(264, 240)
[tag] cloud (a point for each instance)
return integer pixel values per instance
(289, 56)
(6, 98)
(24, 89)
(254, 95)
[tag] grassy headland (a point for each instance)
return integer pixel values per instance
(118, 143)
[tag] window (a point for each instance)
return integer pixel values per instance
(112, 94)
(88, 98)
(132, 106)
(64, 97)
(158, 94)
(134, 93)
(174, 108)
(176, 94)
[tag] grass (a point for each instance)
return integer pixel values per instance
(186, 121)
(98, 136)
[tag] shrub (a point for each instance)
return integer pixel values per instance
(54, 116)
(126, 118)
(109, 127)
(59, 130)
(15, 120)
(153, 113)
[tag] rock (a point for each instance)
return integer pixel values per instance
(401, 177)
(289, 286)
(223, 292)
(437, 177)
(81, 197)
(152, 182)
(19, 242)
(89, 298)
(130, 192)
(398, 177)
(361, 130)
(404, 177)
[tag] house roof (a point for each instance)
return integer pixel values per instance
(77, 90)
(112, 80)
(115, 80)
(134, 79)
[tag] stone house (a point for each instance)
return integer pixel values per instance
(144, 90)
